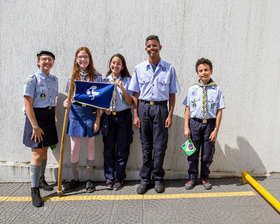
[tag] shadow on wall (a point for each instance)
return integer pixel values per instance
(235, 160)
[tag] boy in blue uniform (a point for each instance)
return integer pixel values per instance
(203, 115)
(40, 92)
(153, 83)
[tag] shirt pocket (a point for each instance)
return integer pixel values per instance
(144, 81)
(194, 102)
(164, 84)
(212, 103)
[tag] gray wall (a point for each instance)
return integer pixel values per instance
(241, 38)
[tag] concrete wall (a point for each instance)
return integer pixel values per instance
(241, 38)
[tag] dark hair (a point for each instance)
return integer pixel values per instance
(90, 68)
(203, 61)
(124, 71)
(152, 37)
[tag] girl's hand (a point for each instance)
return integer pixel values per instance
(96, 125)
(187, 133)
(108, 111)
(67, 104)
(37, 134)
(119, 84)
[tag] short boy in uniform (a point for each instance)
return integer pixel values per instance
(203, 115)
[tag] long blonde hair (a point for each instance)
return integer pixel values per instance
(76, 68)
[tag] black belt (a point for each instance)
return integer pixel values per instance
(44, 108)
(154, 102)
(204, 121)
(115, 113)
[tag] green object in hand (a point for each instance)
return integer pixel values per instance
(188, 147)
(53, 147)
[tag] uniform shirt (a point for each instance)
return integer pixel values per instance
(215, 101)
(154, 85)
(42, 88)
(121, 104)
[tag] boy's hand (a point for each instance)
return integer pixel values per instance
(168, 122)
(187, 133)
(136, 121)
(213, 136)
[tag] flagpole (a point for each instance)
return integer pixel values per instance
(66, 115)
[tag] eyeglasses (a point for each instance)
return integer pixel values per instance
(83, 57)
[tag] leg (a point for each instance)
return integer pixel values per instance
(42, 182)
(75, 150)
(146, 137)
(90, 156)
(109, 150)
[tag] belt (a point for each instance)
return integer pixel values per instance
(154, 102)
(80, 104)
(115, 113)
(44, 108)
(204, 121)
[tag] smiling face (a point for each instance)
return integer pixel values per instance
(45, 63)
(82, 59)
(204, 72)
(152, 48)
(116, 66)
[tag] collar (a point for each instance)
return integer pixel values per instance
(110, 78)
(43, 75)
(210, 83)
(149, 66)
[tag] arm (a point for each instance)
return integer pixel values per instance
(187, 131)
(214, 134)
(168, 121)
(136, 119)
(37, 131)
(127, 97)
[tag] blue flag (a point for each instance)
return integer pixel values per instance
(94, 94)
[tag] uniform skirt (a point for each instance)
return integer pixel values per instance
(81, 120)
(46, 121)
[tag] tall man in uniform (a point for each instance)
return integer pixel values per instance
(154, 83)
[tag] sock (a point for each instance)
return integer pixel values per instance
(75, 170)
(89, 169)
(43, 167)
(35, 175)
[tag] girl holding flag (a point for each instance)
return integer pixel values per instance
(118, 138)
(83, 120)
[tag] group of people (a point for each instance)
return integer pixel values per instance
(150, 92)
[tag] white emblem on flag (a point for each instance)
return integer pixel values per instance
(91, 93)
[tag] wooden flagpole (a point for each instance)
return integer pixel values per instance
(66, 115)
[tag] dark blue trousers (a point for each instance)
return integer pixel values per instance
(117, 144)
(154, 137)
(200, 136)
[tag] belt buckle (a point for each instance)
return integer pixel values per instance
(152, 103)
(50, 108)
(83, 105)
(114, 113)
(204, 121)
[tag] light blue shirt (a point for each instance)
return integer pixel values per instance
(120, 103)
(154, 85)
(215, 101)
(42, 88)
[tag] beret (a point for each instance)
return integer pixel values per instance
(40, 53)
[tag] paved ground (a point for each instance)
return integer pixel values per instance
(230, 201)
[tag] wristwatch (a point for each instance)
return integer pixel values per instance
(35, 126)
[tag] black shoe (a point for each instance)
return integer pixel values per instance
(159, 188)
(36, 197)
(190, 184)
(118, 185)
(109, 184)
(71, 186)
(89, 186)
(44, 185)
(142, 188)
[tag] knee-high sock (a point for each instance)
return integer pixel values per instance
(43, 167)
(89, 169)
(35, 175)
(75, 170)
